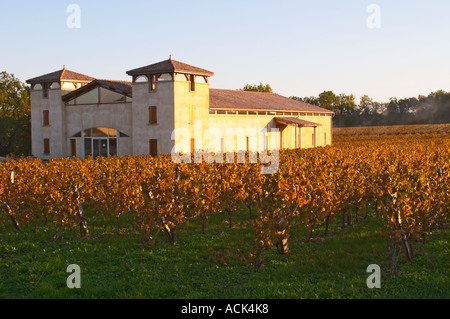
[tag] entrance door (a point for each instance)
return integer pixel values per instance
(100, 147)
(104, 148)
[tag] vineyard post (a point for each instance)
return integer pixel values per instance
(83, 225)
(8, 209)
(403, 238)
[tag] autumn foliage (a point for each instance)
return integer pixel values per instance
(402, 180)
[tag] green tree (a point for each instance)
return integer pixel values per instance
(258, 88)
(15, 120)
(307, 99)
(328, 100)
(344, 104)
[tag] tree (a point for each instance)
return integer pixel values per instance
(15, 119)
(344, 104)
(434, 108)
(327, 100)
(258, 88)
(307, 99)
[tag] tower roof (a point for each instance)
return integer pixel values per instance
(170, 66)
(61, 75)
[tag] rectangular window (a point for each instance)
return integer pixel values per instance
(73, 146)
(46, 117)
(87, 147)
(152, 115)
(112, 147)
(154, 148)
(192, 82)
(46, 146)
(325, 138)
(151, 82)
(45, 90)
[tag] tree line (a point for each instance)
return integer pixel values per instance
(15, 116)
(431, 109)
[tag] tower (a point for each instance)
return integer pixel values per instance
(167, 95)
(48, 135)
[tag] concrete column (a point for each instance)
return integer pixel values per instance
(315, 136)
(300, 137)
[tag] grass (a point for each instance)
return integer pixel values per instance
(215, 264)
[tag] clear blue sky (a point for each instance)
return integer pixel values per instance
(298, 47)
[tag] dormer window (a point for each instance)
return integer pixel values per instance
(151, 82)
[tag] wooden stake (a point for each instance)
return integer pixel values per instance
(83, 225)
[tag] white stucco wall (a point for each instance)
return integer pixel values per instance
(142, 131)
(55, 131)
(114, 115)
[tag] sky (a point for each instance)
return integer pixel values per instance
(390, 48)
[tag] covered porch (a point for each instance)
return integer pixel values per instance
(299, 124)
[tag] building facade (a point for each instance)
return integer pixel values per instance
(168, 106)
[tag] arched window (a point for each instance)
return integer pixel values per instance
(100, 141)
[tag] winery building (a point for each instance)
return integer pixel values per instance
(166, 106)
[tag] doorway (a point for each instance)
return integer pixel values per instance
(100, 147)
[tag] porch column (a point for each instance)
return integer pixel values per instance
(315, 136)
(300, 137)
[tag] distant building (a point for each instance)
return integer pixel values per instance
(74, 115)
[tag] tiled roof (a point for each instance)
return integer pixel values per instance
(61, 75)
(295, 122)
(245, 100)
(170, 66)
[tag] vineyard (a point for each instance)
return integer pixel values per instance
(403, 181)
(396, 130)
